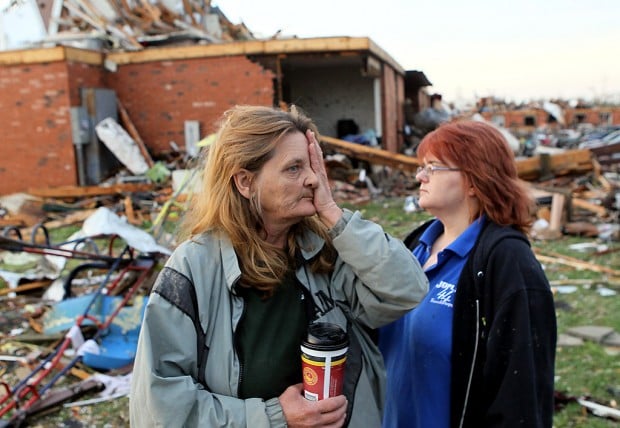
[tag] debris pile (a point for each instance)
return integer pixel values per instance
(133, 25)
(90, 312)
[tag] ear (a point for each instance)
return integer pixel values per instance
(243, 182)
(468, 188)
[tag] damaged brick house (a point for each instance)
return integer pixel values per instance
(51, 98)
(525, 119)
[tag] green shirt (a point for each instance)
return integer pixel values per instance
(268, 338)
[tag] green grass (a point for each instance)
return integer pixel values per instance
(390, 214)
(589, 370)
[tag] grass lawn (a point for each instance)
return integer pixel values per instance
(589, 370)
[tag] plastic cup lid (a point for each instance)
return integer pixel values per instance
(326, 336)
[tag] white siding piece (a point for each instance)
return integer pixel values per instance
(122, 145)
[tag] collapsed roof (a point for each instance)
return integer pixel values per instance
(128, 25)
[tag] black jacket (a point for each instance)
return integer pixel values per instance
(504, 335)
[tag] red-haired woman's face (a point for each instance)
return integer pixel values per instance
(442, 192)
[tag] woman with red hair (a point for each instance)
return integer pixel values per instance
(479, 350)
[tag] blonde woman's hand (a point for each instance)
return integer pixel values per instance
(327, 209)
(302, 413)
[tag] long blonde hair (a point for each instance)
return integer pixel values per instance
(246, 139)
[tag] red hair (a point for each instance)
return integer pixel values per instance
(488, 164)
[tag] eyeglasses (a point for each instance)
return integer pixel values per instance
(429, 170)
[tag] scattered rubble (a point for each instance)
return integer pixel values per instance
(69, 320)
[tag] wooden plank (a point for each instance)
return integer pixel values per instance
(100, 23)
(77, 191)
(557, 210)
(568, 162)
(575, 263)
(572, 161)
(73, 218)
(30, 56)
(74, 9)
(187, 8)
(84, 56)
(249, 47)
(131, 129)
(25, 287)
(119, 32)
(373, 155)
(599, 210)
(90, 10)
(151, 10)
(130, 213)
(12, 221)
(56, 11)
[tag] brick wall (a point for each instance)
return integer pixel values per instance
(598, 116)
(516, 119)
(35, 141)
(160, 96)
(35, 101)
(83, 76)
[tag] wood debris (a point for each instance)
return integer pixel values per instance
(133, 25)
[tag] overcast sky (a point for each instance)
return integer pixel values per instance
(517, 50)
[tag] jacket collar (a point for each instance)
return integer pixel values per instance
(310, 244)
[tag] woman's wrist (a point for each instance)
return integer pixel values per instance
(330, 215)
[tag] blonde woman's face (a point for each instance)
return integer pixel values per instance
(286, 184)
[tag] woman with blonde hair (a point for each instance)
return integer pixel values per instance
(268, 251)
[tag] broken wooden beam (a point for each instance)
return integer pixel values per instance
(372, 155)
(599, 210)
(82, 191)
(571, 161)
(557, 212)
(25, 287)
(568, 162)
(13, 221)
(575, 263)
(131, 129)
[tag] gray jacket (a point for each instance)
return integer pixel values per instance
(376, 280)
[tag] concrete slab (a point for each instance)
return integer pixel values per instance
(565, 340)
(593, 333)
(612, 339)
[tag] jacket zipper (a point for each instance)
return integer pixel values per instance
(236, 344)
(473, 363)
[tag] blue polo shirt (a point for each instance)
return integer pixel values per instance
(417, 348)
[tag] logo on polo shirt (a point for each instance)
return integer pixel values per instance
(444, 294)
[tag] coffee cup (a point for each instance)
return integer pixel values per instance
(323, 357)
